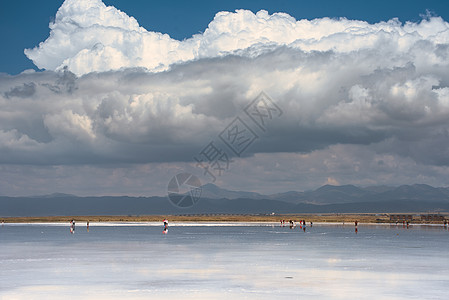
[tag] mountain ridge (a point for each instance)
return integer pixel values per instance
(326, 199)
(331, 194)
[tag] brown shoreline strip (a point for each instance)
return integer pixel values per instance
(347, 218)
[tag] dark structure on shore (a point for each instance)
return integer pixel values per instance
(422, 217)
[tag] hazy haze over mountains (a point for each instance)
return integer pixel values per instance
(330, 194)
(326, 199)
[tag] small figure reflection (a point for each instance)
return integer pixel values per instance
(165, 231)
(72, 226)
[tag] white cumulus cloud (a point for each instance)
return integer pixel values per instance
(88, 36)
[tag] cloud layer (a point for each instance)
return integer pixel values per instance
(116, 93)
(88, 36)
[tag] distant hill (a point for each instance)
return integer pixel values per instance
(330, 194)
(54, 195)
(326, 199)
(211, 191)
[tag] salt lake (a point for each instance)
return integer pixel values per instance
(223, 261)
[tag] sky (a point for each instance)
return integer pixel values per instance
(117, 97)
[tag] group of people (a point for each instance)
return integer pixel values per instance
(404, 223)
(302, 224)
(72, 226)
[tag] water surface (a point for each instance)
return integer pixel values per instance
(194, 261)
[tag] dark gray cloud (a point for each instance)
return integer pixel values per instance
(23, 91)
(133, 116)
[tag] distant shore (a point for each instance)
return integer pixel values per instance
(321, 218)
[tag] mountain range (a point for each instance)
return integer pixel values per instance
(330, 194)
(326, 199)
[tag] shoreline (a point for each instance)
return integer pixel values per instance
(315, 218)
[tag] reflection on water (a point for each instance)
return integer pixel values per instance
(219, 262)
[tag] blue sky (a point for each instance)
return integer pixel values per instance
(24, 23)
